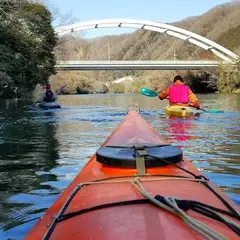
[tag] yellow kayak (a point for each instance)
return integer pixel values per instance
(179, 111)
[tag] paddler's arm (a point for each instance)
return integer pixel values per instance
(163, 94)
(193, 99)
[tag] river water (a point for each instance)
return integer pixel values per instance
(42, 151)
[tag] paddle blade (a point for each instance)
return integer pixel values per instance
(209, 111)
(215, 111)
(148, 92)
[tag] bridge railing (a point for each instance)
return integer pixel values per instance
(138, 65)
(149, 62)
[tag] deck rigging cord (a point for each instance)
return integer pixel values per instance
(171, 204)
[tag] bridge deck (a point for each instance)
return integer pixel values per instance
(137, 65)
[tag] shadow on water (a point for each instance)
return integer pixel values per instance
(28, 150)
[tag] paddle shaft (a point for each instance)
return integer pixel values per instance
(60, 88)
(202, 109)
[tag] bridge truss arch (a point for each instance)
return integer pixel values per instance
(202, 42)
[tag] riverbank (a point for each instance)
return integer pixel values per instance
(78, 82)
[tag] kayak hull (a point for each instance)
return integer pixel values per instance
(48, 105)
(105, 185)
(179, 111)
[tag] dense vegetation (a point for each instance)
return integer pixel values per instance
(27, 40)
(229, 79)
(220, 24)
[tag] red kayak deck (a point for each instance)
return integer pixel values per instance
(136, 220)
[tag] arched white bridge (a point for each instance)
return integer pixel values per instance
(226, 56)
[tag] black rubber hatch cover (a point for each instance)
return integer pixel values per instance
(125, 156)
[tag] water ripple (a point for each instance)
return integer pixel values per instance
(43, 150)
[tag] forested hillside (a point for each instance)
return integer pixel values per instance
(220, 24)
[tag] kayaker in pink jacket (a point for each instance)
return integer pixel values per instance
(179, 94)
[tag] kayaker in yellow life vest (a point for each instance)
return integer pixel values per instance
(179, 94)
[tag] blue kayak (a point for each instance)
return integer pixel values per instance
(48, 105)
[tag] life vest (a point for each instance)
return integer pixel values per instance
(49, 96)
(178, 94)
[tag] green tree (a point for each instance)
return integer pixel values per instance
(229, 79)
(27, 40)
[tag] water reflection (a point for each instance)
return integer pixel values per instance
(27, 147)
(179, 130)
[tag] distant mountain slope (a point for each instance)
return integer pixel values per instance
(231, 39)
(215, 24)
(220, 24)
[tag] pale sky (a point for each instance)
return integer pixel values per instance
(154, 10)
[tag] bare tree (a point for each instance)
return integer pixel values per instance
(58, 18)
